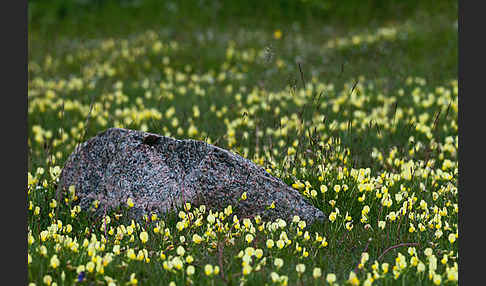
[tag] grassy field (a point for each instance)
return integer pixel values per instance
(355, 107)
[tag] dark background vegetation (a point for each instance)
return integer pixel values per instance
(430, 52)
(89, 17)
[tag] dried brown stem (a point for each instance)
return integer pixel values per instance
(301, 75)
(220, 260)
(396, 246)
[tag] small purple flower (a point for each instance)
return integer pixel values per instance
(81, 276)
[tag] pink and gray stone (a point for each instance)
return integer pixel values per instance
(160, 174)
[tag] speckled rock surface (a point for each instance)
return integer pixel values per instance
(160, 173)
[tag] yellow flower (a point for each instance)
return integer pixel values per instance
(247, 223)
(295, 219)
(116, 249)
(331, 278)
(133, 279)
(43, 250)
(228, 210)
(190, 270)
(247, 269)
(364, 257)
(362, 198)
(47, 279)
(353, 279)
(270, 243)
(278, 262)
(243, 196)
(411, 228)
(144, 236)
(291, 151)
(30, 179)
(381, 224)
(90, 266)
(177, 262)
(428, 252)
(169, 112)
(72, 191)
(323, 189)
(452, 238)
(349, 226)
(180, 250)
(438, 233)
(337, 188)
(162, 255)
(196, 238)
(332, 216)
(300, 268)
(421, 227)
(189, 259)
(180, 225)
(412, 251)
(437, 279)
(306, 235)
(53, 203)
(249, 238)
(249, 251)
(432, 263)
(154, 217)
(384, 267)
(131, 254)
(44, 235)
(192, 131)
(347, 217)
(277, 34)
(392, 216)
(258, 253)
(284, 279)
(451, 274)
(130, 203)
(444, 259)
(167, 265)
(421, 267)
(275, 277)
(211, 219)
(302, 224)
(208, 269)
(54, 261)
(182, 215)
(414, 261)
(129, 230)
(324, 242)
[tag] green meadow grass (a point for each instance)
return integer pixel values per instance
(360, 118)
